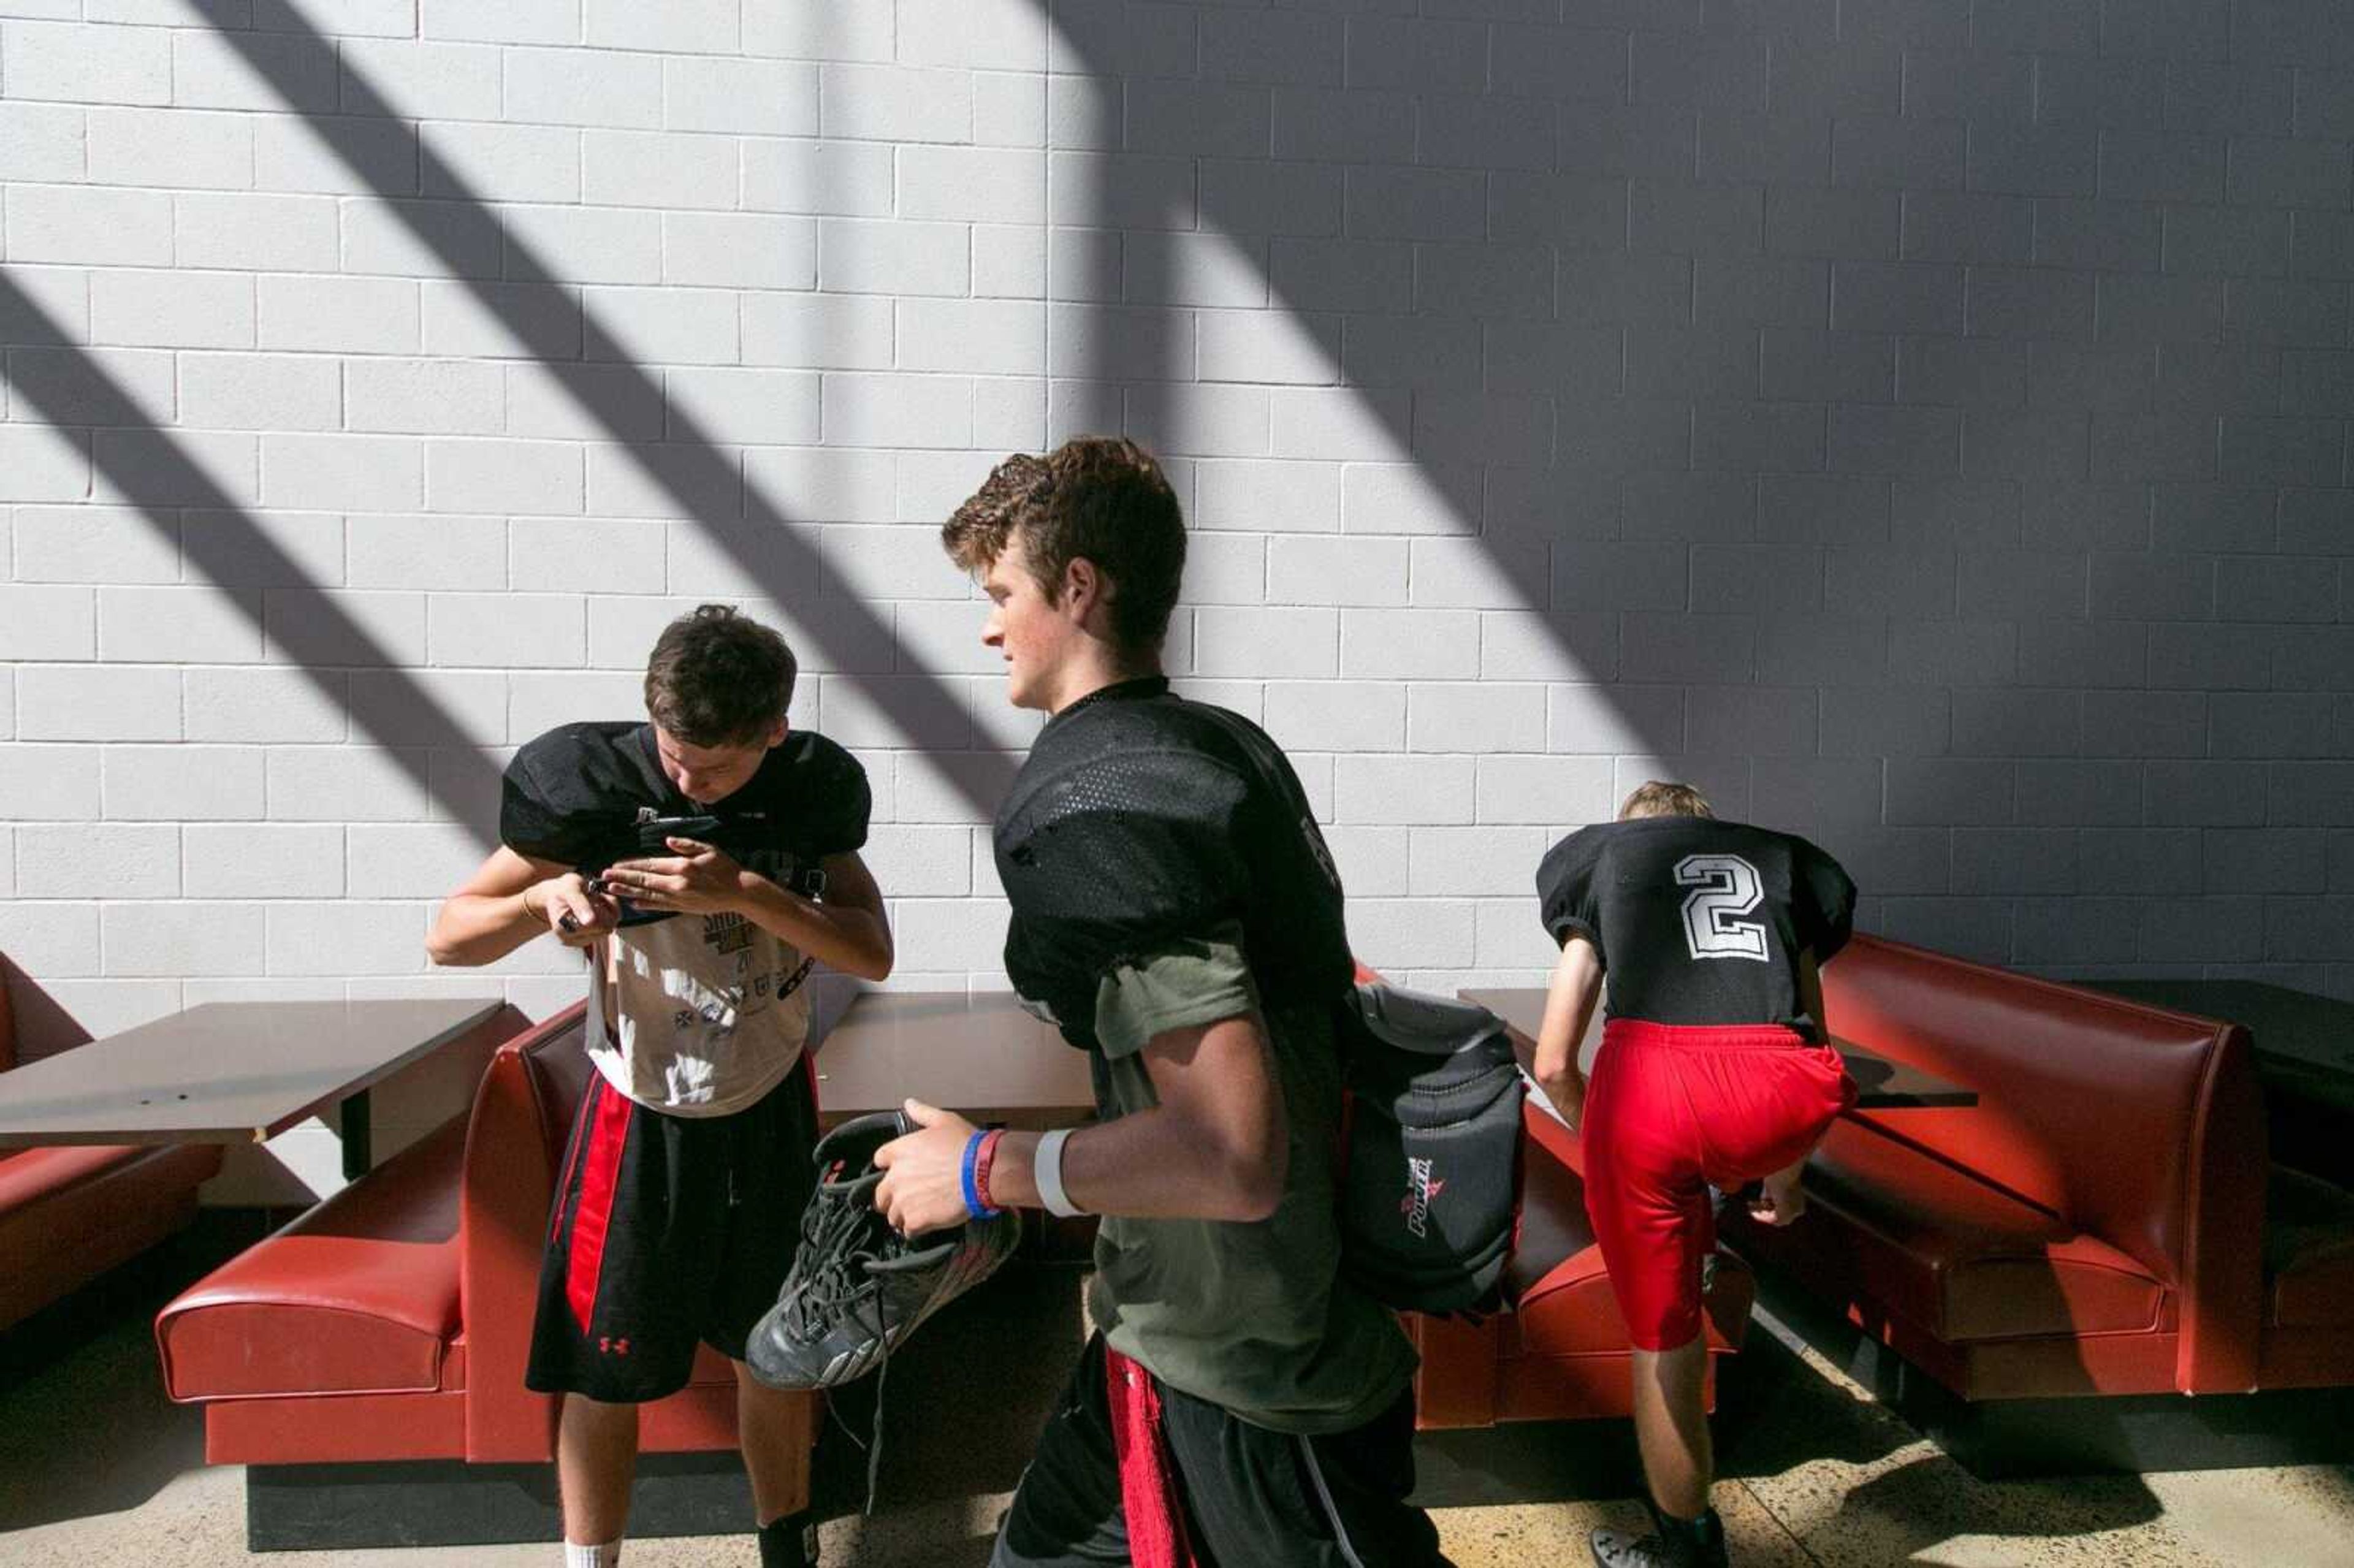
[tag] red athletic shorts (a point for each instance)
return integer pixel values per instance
(1673, 1110)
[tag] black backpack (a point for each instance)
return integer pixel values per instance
(1430, 1167)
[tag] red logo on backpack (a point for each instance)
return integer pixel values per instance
(1422, 1189)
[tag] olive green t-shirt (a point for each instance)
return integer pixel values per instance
(1253, 1316)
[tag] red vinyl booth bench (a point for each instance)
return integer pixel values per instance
(390, 1325)
(2097, 1225)
(69, 1214)
(1559, 1351)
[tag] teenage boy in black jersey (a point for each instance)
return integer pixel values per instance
(1714, 1071)
(682, 1188)
(1176, 912)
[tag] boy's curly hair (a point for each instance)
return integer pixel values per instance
(1101, 497)
(718, 677)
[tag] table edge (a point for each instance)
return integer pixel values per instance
(228, 1134)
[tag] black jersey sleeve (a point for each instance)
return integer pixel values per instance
(1121, 859)
(550, 806)
(836, 800)
(1823, 901)
(1567, 898)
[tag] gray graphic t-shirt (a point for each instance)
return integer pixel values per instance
(692, 1014)
(698, 1015)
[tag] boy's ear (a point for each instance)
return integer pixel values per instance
(1085, 582)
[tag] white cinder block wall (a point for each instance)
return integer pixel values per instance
(1923, 422)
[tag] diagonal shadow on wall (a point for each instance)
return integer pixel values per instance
(1480, 456)
(158, 477)
(706, 483)
(699, 479)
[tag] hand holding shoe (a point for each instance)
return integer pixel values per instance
(923, 1180)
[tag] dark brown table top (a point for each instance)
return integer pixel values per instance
(980, 1056)
(2304, 1043)
(1881, 1083)
(225, 1072)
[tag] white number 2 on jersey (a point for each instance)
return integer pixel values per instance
(1725, 887)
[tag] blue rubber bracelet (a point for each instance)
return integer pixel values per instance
(974, 1207)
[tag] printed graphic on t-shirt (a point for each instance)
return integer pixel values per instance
(707, 1012)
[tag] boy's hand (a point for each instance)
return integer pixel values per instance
(575, 915)
(1779, 1201)
(923, 1182)
(699, 879)
(1567, 1093)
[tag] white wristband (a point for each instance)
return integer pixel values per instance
(1046, 1170)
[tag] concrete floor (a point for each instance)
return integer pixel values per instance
(97, 1469)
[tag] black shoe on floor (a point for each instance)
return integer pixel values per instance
(858, 1289)
(789, 1542)
(1672, 1543)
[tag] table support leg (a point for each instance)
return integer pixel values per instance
(356, 1152)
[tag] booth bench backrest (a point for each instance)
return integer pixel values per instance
(2139, 1126)
(514, 1143)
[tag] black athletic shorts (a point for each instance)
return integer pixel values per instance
(668, 1230)
(1253, 1498)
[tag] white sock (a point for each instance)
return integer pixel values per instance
(608, 1555)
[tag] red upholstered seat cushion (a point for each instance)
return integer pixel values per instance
(29, 1175)
(1553, 1223)
(1558, 1287)
(2308, 1253)
(69, 1214)
(1960, 1257)
(2041, 1056)
(360, 1295)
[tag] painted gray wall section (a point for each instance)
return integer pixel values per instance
(1921, 422)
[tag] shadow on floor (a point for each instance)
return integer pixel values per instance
(963, 1401)
(85, 1428)
(1798, 1437)
(1774, 1411)
(1931, 1499)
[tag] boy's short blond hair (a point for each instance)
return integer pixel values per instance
(1661, 798)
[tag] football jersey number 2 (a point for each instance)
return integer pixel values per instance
(1725, 887)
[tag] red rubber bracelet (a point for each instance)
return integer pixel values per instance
(980, 1164)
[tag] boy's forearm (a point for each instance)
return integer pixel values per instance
(475, 928)
(1218, 1146)
(1558, 1036)
(1146, 1166)
(1570, 1000)
(841, 937)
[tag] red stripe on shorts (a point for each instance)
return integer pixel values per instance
(601, 1165)
(1147, 1479)
(573, 1146)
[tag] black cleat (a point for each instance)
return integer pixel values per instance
(789, 1542)
(858, 1289)
(1672, 1543)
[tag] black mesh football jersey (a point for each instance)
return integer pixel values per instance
(576, 794)
(696, 1014)
(1698, 921)
(1140, 819)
